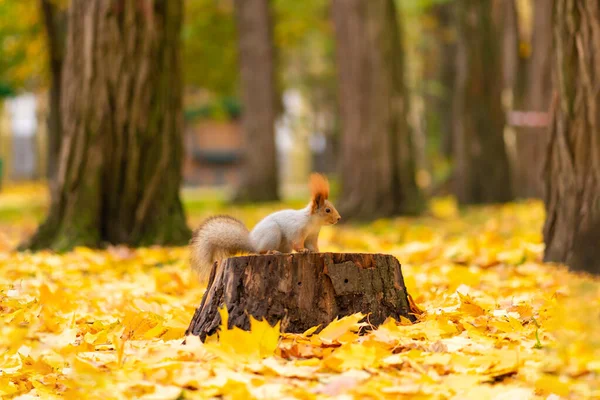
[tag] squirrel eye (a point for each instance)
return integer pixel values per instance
(327, 210)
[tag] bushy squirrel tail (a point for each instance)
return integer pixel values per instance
(217, 237)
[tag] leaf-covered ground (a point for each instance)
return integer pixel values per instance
(496, 323)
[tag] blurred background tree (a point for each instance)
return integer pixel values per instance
(377, 155)
(533, 92)
(259, 178)
(482, 173)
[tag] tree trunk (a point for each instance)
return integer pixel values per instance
(532, 94)
(506, 16)
(507, 23)
(377, 157)
(481, 164)
(120, 161)
(572, 173)
(55, 22)
(446, 72)
(259, 179)
(302, 291)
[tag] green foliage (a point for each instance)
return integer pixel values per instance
(303, 37)
(209, 56)
(209, 34)
(304, 50)
(226, 108)
(416, 7)
(22, 46)
(296, 21)
(6, 90)
(210, 49)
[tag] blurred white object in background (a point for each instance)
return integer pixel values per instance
(22, 115)
(292, 133)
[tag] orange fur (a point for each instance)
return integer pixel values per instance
(319, 190)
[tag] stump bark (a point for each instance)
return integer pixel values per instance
(301, 291)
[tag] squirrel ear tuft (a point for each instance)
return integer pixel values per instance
(319, 186)
(319, 190)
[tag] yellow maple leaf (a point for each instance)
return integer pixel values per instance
(137, 324)
(333, 332)
(239, 345)
(353, 356)
(468, 306)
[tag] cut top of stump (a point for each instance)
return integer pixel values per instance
(302, 290)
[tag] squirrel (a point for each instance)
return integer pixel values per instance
(280, 232)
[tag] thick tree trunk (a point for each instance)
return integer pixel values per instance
(533, 92)
(302, 291)
(259, 179)
(120, 162)
(377, 158)
(55, 22)
(481, 164)
(572, 178)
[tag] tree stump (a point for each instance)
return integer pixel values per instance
(301, 291)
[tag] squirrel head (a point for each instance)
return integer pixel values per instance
(322, 208)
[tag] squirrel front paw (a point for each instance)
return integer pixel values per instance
(273, 252)
(303, 251)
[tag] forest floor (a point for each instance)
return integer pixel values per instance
(496, 324)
